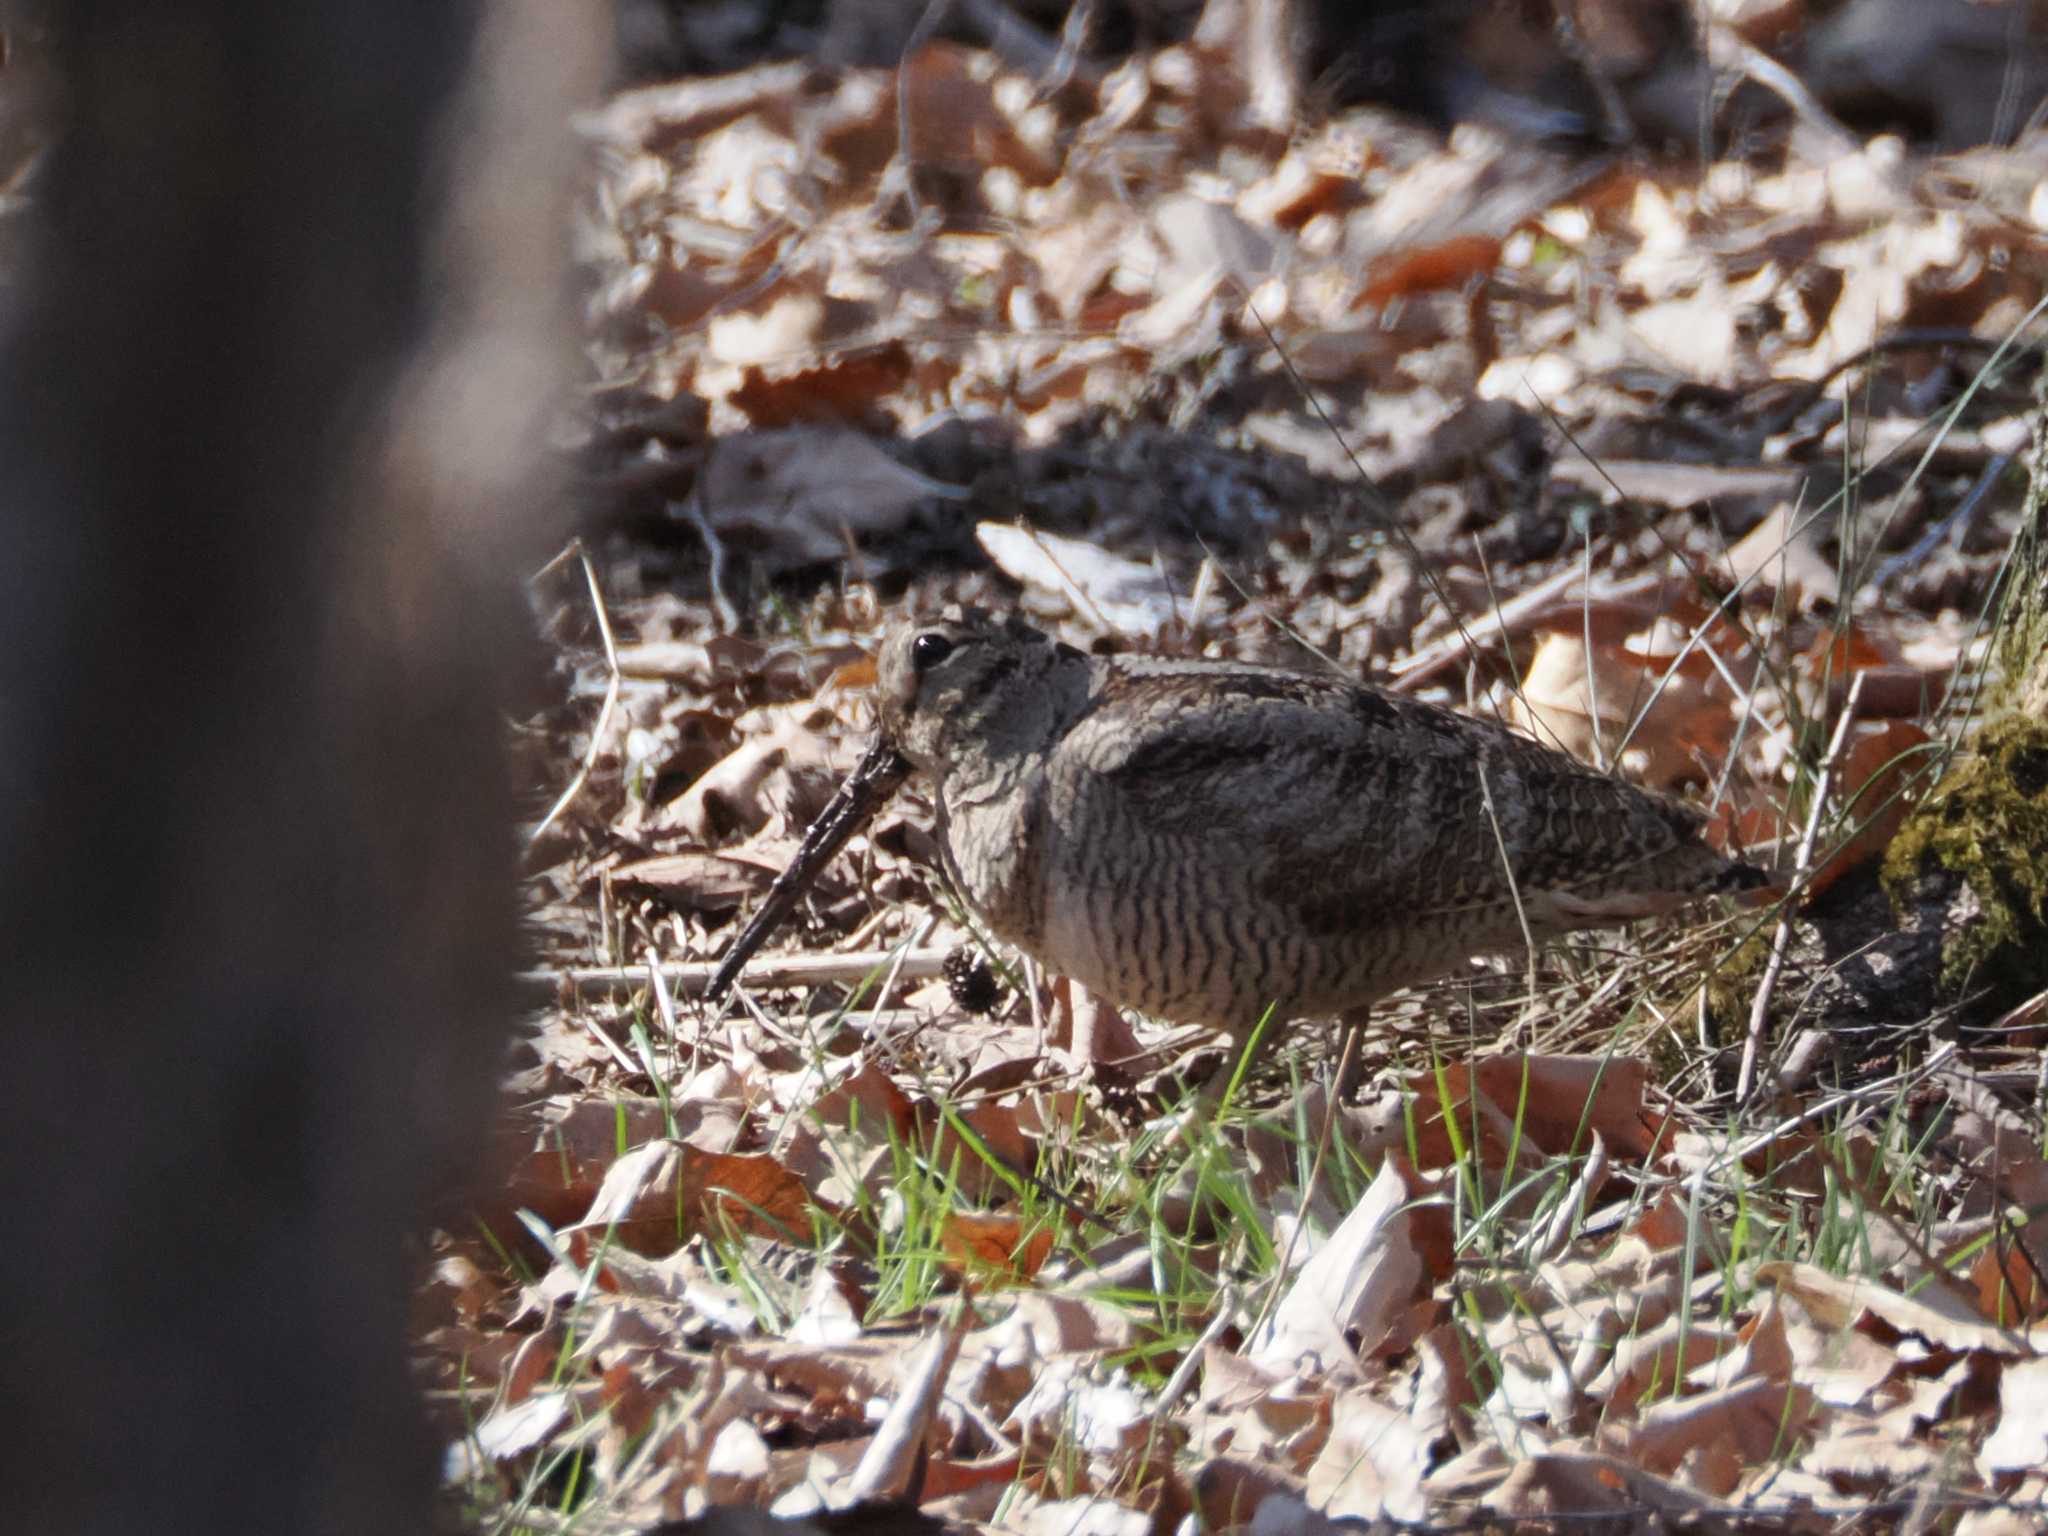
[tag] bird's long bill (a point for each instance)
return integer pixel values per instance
(852, 806)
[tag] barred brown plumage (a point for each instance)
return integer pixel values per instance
(1208, 840)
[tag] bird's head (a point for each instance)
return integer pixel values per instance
(972, 685)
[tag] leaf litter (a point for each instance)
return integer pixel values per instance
(1673, 450)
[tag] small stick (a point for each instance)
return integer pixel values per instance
(1781, 941)
(693, 978)
(611, 692)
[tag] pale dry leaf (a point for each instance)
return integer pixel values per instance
(1854, 1448)
(512, 1429)
(1935, 1314)
(826, 1316)
(1252, 1407)
(2019, 1443)
(1843, 1367)
(1606, 700)
(1373, 1464)
(788, 328)
(1756, 1418)
(1668, 484)
(1075, 1402)
(737, 1465)
(783, 771)
(799, 493)
(1359, 1282)
(1081, 1517)
(1782, 553)
(1071, 576)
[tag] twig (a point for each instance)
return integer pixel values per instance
(1727, 47)
(1781, 941)
(611, 692)
(692, 978)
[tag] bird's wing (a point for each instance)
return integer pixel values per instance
(1348, 804)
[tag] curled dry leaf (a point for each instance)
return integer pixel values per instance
(799, 494)
(1936, 1314)
(782, 770)
(557, 1152)
(1361, 1282)
(1666, 724)
(994, 1249)
(659, 1194)
(1074, 576)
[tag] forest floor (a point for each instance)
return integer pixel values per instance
(1714, 476)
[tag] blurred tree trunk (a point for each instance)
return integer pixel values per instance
(253, 811)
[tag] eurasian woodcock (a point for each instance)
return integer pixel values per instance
(1208, 840)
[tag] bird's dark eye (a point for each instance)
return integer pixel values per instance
(928, 650)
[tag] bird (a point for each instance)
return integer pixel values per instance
(1219, 843)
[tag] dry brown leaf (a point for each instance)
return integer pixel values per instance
(556, 1154)
(1610, 700)
(1735, 1426)
(797, 494)
(992, 1249)
(657, 1195)
(1447, 264)
(699, 882)
(1360, 1282)
(842, 389)
(1560, 1100)
(1233, 1489)
(1936, 1314)
(1879, 767)
(1373, 1464)
(956, 117)
(1542, 1105)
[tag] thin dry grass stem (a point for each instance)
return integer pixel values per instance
(1781, 939)
(1867, 1098)
(1369, 495)
(617, 1052)
(692, 977)
(611, 692)
(665, 1006)
(1184, 1373)
(1352, 1032)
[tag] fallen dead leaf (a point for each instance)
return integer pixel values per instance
(994, 1249)
(1880, 768)
(1935, 1315)
(797, 495)
(1361, 1282)
(1665, 726)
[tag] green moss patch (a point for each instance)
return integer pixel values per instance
(1987, 823)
